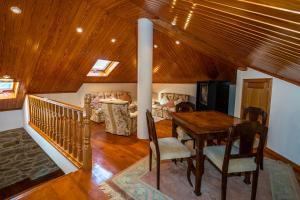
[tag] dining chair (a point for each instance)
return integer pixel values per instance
(168, 148)
(231, 162)
(183, 137)
(254, 114)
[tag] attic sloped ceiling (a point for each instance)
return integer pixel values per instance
(41, 48)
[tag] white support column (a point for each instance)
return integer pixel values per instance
(145, 60)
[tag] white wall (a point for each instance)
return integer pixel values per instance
(284, 124)
(63, 163)
(11, 120)
(189, 89)
(78, 97)
(103, 87)
(70, 98)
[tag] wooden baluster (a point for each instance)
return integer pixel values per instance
(74, 134)
(47, 114)
(60, 126)
(40, 114)
(64, 132)
(68, 133)
(43, 116)
(56, 120)
(33, 113)
(87, 149)
(79, 135)
(30, 109)
(51, 120)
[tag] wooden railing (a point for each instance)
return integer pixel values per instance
(65, 126)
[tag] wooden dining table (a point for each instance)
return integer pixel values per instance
(202, 126)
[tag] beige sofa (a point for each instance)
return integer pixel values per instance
(167, 104)
(97, 112)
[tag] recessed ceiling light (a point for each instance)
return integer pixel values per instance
(16, 9)
(6, 77)
(113, 40)
(155, 46)
(79, 30)
(173, 23)
(177, 42)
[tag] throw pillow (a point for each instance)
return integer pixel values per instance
(170, 104)
(163, 101)
(125, 97)
(178, 101)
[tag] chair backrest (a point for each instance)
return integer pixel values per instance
(245, 132)
(117, 118)
(253, 114)
(152, 131)
(185, 107)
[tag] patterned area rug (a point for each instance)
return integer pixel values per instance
(277, 181)
(22, 158)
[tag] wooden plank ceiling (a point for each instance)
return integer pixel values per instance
(41, 48)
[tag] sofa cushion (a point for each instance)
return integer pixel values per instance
(163, 100)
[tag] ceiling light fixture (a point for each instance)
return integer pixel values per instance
(6, 76)
(177, 42)
(79, 30)
(16, 9)
(113, 40)
(155, 46)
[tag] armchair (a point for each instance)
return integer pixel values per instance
(118, 119)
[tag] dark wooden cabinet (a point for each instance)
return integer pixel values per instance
(213, 95)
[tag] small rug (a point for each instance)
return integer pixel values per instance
(277, 181)
(22, 158)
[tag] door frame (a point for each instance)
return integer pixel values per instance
(270, 80)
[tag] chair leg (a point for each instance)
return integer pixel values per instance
(158, 174)
(254, 184)
(189, 170)
(262, 163)
(150, 160)
(247, 178)
(224, 186)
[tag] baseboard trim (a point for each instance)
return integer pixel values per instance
(282, 158)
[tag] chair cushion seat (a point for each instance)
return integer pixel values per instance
(134, 114)
(216, 155)
(170, 148)
(237, 143)
(182, 135)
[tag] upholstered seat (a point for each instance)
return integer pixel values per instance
(182, 134)
(216, 156)
(170, 148)
(236, 143)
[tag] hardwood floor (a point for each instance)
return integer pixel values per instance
(111, 154)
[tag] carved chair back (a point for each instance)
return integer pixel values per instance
(185, 107)
(253, 114)
(245, 132)
(152, 132)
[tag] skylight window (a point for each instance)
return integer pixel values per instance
(8, 88)
(6, 85)
(102, 68)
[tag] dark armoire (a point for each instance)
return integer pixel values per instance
(213, 95)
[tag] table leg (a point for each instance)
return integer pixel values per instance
(199, 165)
(174, 126)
